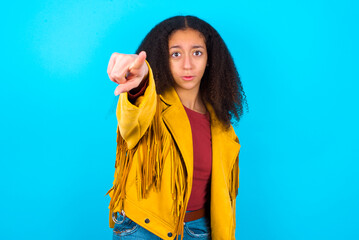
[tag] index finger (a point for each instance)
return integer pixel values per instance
(139, 61)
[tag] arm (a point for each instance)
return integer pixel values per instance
(134, 116)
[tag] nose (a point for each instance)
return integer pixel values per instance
(187, 62)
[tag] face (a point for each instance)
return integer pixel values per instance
(188, 59)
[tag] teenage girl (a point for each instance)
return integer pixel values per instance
(177, 170)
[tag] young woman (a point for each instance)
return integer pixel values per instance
(177, 170)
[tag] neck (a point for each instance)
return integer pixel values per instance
(191, 99)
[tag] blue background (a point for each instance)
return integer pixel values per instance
(298, 61)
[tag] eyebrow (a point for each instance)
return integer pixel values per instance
(194, 46)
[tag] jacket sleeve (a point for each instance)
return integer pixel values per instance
(134, 119)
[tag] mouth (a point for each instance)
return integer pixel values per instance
(187, 78)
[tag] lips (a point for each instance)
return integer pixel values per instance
(187, 78)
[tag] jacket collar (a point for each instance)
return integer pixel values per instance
(170, 97)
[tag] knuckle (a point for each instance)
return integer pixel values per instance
(115, 54)
(113, 80)
(117, 79)
(114, 75)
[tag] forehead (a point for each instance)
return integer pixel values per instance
(188, 36)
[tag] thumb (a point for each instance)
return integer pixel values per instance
(125, 87)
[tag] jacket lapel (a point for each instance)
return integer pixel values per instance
(175, 117)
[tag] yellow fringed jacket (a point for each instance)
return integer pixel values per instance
(154, 166)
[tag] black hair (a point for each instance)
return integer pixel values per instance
(220, 84)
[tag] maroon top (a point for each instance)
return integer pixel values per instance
(202, 159)
(202, 152)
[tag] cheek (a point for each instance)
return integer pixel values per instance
(203, 66)
(173, 68)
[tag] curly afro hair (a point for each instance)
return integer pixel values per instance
(220, 85)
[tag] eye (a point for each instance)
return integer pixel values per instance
(197, 53)
(175, 54)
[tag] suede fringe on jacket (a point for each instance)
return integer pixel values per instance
(154, 147)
